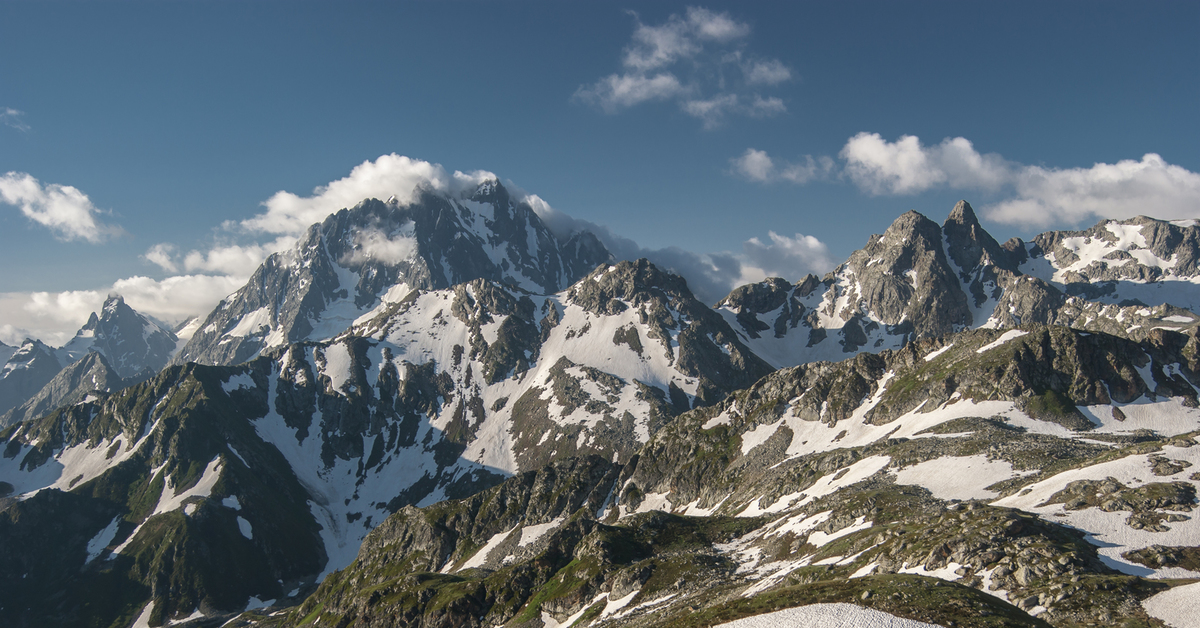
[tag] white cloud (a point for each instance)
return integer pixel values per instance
(375, 245)
(757, 165)
(906, 167)
(619, 91)
(685, 60)
(163, 256)
(712, 111)
(785, 257)
(1038, 196)
(769, 72)
(65, 210)
(1125, 189)
(13, 118)
(54, 317)
(387, 176)
(710, 276)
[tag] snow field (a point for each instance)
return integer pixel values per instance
(1108, 530)
(826, 616)
(960, 478)
(1178, 607)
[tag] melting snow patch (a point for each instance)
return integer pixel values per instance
(245, 528)
(480, 557)
(255, 604)
(957, 478)
(231, 502)
(241, 380)
(821, 539)
(530, 534)
(251, 323)
(101, 540)
(934, 354)
(1005, 337)
(1178, 607)
(827, 616)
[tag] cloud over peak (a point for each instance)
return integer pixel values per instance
(389, 175)
(1032, 196)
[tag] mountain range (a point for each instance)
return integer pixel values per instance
(441, 413)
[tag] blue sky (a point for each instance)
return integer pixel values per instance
(173, 123)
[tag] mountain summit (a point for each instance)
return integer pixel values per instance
(377, 252)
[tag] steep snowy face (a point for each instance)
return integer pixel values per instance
(376, 253)
(132, 344)
(1136, 261)
(29, 368)
(79, 381)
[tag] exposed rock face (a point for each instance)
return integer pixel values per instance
(133, 345)
(376, 252)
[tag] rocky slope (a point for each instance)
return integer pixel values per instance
(376, 253)
(73, 384)
(932, 482)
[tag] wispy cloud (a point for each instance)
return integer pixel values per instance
(757, 165)
(711, 276)
(1031, 196)
(13, 118)
(63, 209)
(697, 60)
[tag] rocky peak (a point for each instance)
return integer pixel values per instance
(376, 253)
(131, 342)
(969, 245)
(904, 276)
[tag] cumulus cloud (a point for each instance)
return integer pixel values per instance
(54, 317)
(787, 257)
(13, 118)
(906, 167)
(1125, 189)
(63, 209)
(696, 60)
(389, 175)
(757, 165)
(1038, 196)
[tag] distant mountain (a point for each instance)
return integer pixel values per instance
(131, 343)
(77, 382)
(6, 352)
(133, 348)
(919, 280)
(376, 253)
(32, 366)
